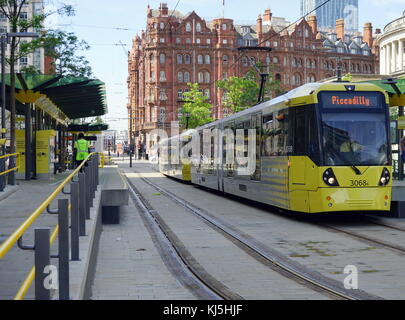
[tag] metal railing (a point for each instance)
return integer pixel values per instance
(3, 170)
(82, 192)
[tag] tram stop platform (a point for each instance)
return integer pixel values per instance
(18, 202)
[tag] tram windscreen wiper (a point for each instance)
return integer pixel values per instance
(356, 170)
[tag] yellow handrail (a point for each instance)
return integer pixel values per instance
(31, 275)
(102, 160)
(17, 155)
(13, 238)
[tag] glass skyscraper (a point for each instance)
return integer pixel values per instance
(333, 10)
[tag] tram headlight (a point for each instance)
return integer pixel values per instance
(329, 178)
(385, 177)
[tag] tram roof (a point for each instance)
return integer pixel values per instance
(302, 91)
(61, 97)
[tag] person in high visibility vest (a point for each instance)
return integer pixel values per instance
(82, 149)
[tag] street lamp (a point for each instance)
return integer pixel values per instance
(4, 39)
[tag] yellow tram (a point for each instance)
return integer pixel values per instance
(319, 148)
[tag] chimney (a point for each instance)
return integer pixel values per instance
(267, 16)
(259, 27)
(368, 34)
(313, 23)
(163, 10)
(340, 29)
(149, 11)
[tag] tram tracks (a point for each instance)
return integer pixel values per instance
(264, 254)
(190, 274)
(368, 239)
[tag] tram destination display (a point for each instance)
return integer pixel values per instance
(339, 100)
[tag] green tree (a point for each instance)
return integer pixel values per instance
(196, 111)
(240, 93)
(12, 10)
(62, 47)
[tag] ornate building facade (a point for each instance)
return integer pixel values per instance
(176, 49)
(392, 44)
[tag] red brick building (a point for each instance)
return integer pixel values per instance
(176, 49)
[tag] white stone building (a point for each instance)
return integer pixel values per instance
(391, 43)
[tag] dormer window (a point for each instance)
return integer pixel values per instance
(198, 27)
(224, 26)
(188, 27)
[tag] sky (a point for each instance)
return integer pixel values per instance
(109, 27)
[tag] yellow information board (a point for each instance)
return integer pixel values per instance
(20, 148)
(45, 153)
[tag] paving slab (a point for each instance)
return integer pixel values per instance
(129, 266)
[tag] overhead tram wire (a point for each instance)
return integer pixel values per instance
(285, 28)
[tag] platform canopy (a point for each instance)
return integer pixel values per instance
(63, 98)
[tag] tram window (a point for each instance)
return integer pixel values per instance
(299, 132)
(229, 148)
(267, 141)
(313, 136)
(281, 132)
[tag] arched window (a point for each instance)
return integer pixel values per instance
(200, 59)
(225, 59)
(200, 77)
(268, 60)
(151, 58)
(188, 27)
(198, 27)
(207, 59)
(162, 58)
(207, 77)
(207, 93)
(278, 77)
(275, 60)
(187, 59)
(180, 76)
(162, 26)
(224, 26)
(179, 59)
(294, 62)
(186, 77)
(244, 61)
(252, 60)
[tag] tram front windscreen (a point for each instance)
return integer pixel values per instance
(355, 128)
